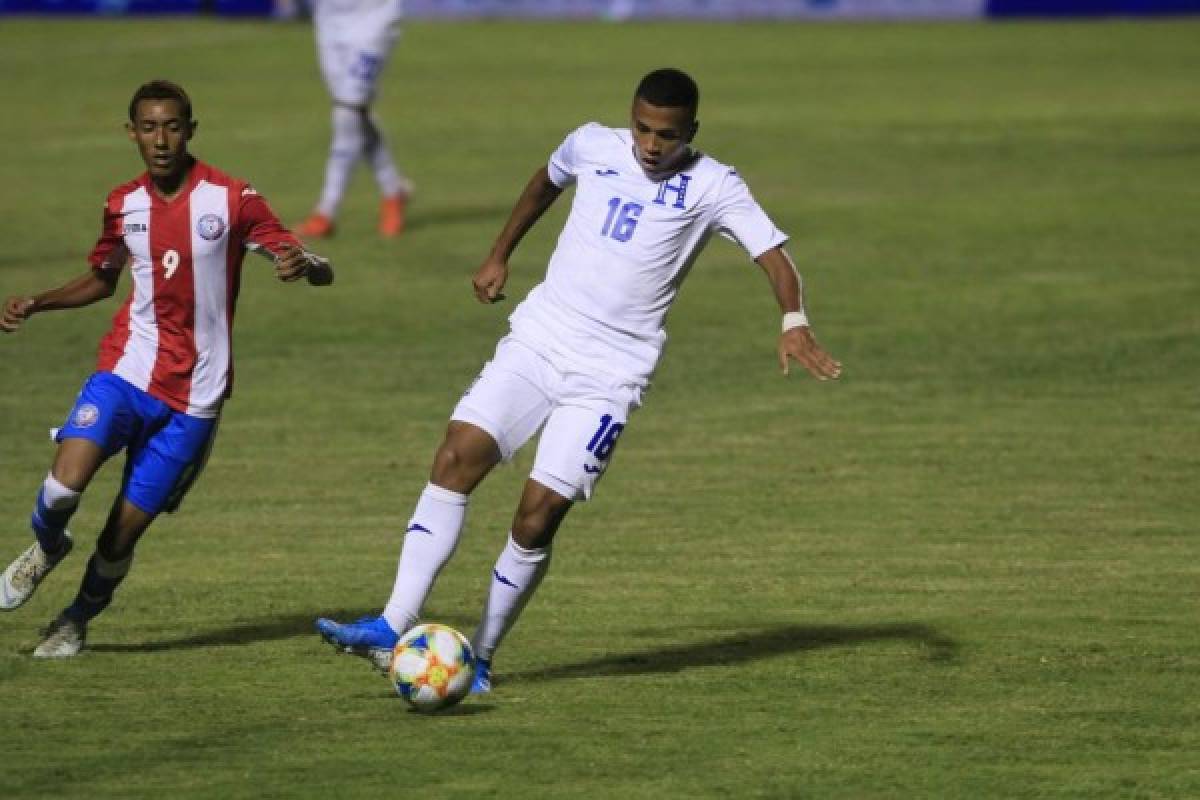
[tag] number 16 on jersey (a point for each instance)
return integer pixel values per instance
(621, 220)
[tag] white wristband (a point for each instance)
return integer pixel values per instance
(794, 319)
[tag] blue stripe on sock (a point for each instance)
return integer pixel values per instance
(48, 525)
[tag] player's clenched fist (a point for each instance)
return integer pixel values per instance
(489, 281)
(16, 309)
(293, 263)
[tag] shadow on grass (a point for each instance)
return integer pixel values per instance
(251, 632)
(744, 647)
(727, 650)
(468, 708)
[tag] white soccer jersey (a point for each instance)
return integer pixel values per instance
(625, 250)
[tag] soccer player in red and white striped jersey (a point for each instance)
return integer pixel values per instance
(166, 366)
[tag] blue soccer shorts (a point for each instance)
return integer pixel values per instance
(165, 449)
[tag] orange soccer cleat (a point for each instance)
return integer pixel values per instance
(391, 215)
(317, 226)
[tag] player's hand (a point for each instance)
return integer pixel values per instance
(489, 281)
(799, 344)
(291, 263)
(16, 311)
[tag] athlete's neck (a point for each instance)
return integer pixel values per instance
(168, 187)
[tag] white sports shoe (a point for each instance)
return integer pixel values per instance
(62, 639)
(26, 572)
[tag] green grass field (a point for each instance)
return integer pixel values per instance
(968, 569)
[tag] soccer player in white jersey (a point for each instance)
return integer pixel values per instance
(582, 345)
(165, 367)
(354, 40)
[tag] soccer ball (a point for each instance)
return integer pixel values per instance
(432, 667)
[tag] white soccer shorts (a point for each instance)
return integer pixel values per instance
(581, 416)
(353, 48)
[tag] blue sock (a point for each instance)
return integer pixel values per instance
(100, 581)
(48, 524)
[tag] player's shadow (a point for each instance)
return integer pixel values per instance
(252, 632)
(245, 633)
(745, 647)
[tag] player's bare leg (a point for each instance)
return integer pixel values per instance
(518, 572)
(75, 463)
(124, 528)
(465, 457)
(539, 515)
(107, 567)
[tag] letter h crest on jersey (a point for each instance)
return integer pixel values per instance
(678, 185)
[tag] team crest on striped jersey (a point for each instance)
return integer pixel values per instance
(85, 416)
(210, 227)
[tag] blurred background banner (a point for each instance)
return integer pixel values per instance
(119, 7)
(638, 9)
(694, 9)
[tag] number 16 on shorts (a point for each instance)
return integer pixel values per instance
(603, 441)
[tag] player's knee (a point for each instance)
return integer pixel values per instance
(70, 476)
(455, 468)
(463, 460)
(447, 463)
(75, 463)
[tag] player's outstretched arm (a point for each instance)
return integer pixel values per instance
(539, 194)
(263, 233)
(83, 291)
(796, 342)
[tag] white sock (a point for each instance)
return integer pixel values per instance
(514, 580)
(387, 176)
(347, 146)
(430, 541)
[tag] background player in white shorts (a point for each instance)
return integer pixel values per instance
(354, 40)
(582, 345)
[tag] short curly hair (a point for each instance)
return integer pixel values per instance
(669, 88)
(160, 90)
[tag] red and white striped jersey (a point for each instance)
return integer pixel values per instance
(172, 337)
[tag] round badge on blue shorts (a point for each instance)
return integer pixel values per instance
(85, 416)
